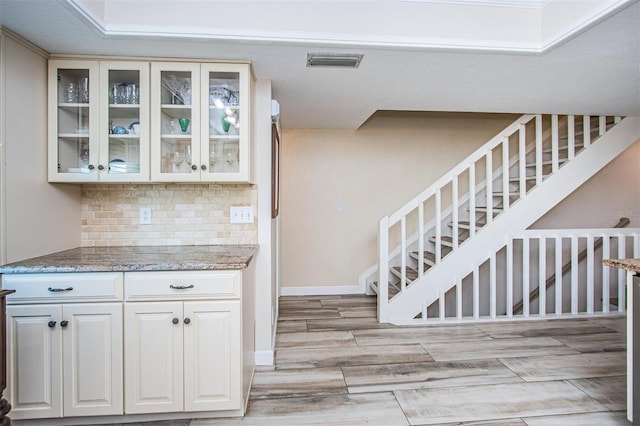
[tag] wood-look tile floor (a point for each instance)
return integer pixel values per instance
(335, 365)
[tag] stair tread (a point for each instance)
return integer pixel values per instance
(411, 273)
(466, 224)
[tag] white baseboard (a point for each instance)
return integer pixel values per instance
(264, 357)
(321, 290)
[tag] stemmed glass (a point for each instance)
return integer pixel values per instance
(188, 157)
(230, 155)
(214, 156)
(178, 159)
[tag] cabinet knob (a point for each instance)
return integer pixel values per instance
(51, 324)
(64, 323)
(203, 167)
(175, 320)
(194, 167)
(91, 167)
(187, 320)
(100, 167)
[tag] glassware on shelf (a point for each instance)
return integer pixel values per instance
(83, 90)
(230, 154)
(187, 157)
(214, 156)
(178, 159)
(70, 94)
(184, 124)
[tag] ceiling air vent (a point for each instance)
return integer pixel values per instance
(333, 60)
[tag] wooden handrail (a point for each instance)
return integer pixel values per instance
(622, 223)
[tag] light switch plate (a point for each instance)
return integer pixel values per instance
(241, 214)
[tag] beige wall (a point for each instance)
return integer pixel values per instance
(612, 193)
(182, 214)
(336, 185)
(39, 217)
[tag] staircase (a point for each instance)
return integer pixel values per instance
(467, 219)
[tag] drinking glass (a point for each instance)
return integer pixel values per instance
(178, 159)
(214, 156)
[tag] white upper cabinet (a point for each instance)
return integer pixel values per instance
(146, 121)
(73, 121)
(99, 121)
(200, 116)
(124, 121)
(225, 121)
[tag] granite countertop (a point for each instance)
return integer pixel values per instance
(139, 258)
(632, 265)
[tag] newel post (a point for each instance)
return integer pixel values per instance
(383, 270)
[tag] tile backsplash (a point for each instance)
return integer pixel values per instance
(182, 214)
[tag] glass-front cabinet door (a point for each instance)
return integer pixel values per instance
(124, 122)
(98, 121)
(73, 121)
(175, 117)
(225, 122)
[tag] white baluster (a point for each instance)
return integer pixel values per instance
(489, 186)
(403, 253)
(472, 199)
(574, 275)
(525, 277)
(438, 247)
(522, 160)
(476, 292)
(571, 127)
(492, 284)
(420, 240)
(542, 270)
(509, 277)
(454, 213)
(459, 298)
(538, 149)
(621, 273)
(590, 272)
(441, 301)
(602, 125)
(505, 174)
(586, 128)
(606, 272)
(554, 143)
(558, 272)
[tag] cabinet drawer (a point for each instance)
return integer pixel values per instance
(64, 287)
(182, 285)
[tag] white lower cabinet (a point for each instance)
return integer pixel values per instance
(182, 356)
(108, 344)
(64, 360)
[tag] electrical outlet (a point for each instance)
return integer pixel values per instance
(145, 215)
(241, 214)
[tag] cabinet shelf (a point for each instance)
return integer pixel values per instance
(117, 136)
(72, 105)
(74, 135)
(232, 138)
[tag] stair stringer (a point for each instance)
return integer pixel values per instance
(437, 280)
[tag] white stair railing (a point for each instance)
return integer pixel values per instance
(564, 265)
(515, 161)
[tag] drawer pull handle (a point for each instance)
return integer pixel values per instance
(64, 323)
(187, 320)
(175, 320)
(51, 324)
(180, 287)
(57, 290)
